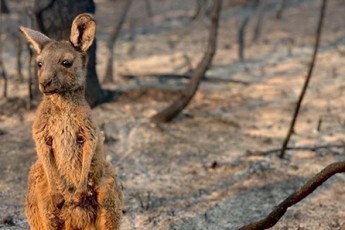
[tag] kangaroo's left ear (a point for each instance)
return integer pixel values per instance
(35, 38)
(83, 32)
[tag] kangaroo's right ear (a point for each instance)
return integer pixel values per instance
(35, 38)
(83, 32)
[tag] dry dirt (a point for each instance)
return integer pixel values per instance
(196, 173)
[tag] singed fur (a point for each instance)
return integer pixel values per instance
(71, 185)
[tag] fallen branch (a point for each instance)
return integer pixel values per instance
(172, 76)
(296, 197)
(307, 80)
(298, 148)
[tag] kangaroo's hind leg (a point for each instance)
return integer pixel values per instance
(41, 209)
(110, 203)
(31, 205)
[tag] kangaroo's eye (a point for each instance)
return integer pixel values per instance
(66, 63)
(39, 64)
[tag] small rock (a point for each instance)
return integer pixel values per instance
(8, 220)
(2, 132)
(214, 165)
(259, 166)
(110, 133)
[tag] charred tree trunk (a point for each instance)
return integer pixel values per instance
(183, 100)
(109, 73)
(54, 18)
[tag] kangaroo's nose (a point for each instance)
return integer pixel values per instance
(46, 83)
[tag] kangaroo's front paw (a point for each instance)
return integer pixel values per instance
(58, 200)
(79, 198)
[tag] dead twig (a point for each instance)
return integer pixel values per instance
(296, 197)
(306, 83)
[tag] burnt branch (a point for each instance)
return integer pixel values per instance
(307, 80)
(172, 76)
(296, 197)
(298, 148)
(183, 99)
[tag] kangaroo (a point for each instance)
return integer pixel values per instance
(71, 185)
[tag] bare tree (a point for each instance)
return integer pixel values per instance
(148, 8)
(2, 67)
(307, 80)
(184, 98)
(259, 22)
(242, 28)
(281, 9)
(19, 48)
(200, 5)
(241, 37)
(109, 73)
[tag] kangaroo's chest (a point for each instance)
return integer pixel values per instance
(65, 132)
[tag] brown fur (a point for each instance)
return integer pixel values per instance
(71, 186)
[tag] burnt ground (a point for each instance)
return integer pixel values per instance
(198, 172)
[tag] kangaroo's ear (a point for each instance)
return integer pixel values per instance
(83, 32)
(35, 38)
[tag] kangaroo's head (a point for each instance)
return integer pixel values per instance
(62, 64)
